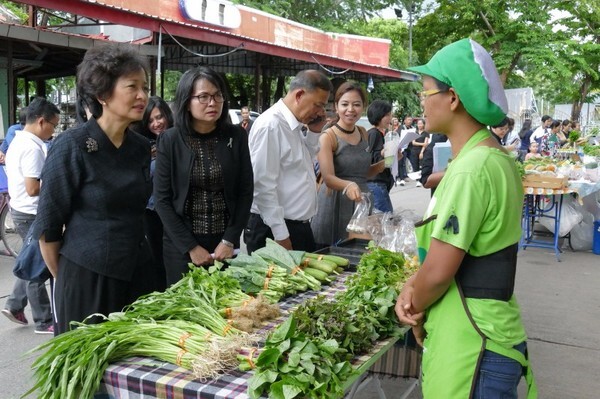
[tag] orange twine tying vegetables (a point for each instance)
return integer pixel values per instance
(250, 356)
(227, 327)
(245, 303)
(182, 340)
(305, 262)
(266, 285)
(295, 270)
(320, 257)
(270, 271)
(180, 355)
(207, 337)
(228, 313)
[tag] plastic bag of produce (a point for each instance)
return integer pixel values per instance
(359, 220)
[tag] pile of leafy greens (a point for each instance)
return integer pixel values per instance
(336, 329)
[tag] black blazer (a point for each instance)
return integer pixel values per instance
(172, 179)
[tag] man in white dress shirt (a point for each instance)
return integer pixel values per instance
(285, 194)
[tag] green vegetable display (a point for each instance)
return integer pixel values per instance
(350, 324)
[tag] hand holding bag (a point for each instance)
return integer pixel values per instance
(29, 264)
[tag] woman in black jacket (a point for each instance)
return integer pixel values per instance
(203, 182)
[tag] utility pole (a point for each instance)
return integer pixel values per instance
(410, 7)
(410, 22)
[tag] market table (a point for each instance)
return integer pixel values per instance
(145, 377)
(547, 203)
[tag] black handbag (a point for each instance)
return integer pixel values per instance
(29, 264)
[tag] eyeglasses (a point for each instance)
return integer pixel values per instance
(427, 93)
(205, 98)
(52, 123)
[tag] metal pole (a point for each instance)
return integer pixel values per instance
(410, 21)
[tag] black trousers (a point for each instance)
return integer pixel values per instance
(256, 233)
(153, 229)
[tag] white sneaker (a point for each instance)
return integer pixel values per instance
(419, 184)
(401, 182)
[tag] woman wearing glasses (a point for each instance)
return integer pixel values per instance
(203, 181)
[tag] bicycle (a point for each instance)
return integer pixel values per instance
(8, 233)
(10, 238)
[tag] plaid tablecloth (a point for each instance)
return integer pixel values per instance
(148, 378)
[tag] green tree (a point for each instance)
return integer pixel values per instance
(403, 95)
(581, 52)
(550, 45)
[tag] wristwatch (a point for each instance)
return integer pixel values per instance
(227, 243)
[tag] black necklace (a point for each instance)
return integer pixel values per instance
(341, 129)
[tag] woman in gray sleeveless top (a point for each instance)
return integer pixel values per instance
(345, 164)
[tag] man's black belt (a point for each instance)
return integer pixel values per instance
(296, 221)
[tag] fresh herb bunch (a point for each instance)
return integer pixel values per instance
(294, 365)
(574, 136)
(345, 322)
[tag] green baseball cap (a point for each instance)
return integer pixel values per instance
(468, 68)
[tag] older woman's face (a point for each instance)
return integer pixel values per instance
(128, 99)
(209, 113)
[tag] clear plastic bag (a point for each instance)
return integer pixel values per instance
(359, 220)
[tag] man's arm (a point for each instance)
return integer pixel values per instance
(32, 186)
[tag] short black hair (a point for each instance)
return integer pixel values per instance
(546, 117)
(100, 69)
(40, 107)
(503, 122)
(377, 110)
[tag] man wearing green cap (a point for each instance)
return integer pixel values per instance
(460, 303)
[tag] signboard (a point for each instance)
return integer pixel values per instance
(215, 12)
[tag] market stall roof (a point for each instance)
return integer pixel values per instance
(191, 35)
(38, 54)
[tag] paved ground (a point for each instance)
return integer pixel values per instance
(560, 303)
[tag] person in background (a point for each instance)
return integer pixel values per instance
(563, 132)
(24, 165)
(407, 126)
(345, 170)
(203, 180)
(524, 137)
(379, 114)
(541, 134)
(96, 187)
(82, 110)
(157, 118)
(533, 151)
(460, 303)
(10, 133)
(246, 122)
(395, 125)
(285, 194)
(555, 138)
(417, 146)
(429, 178)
